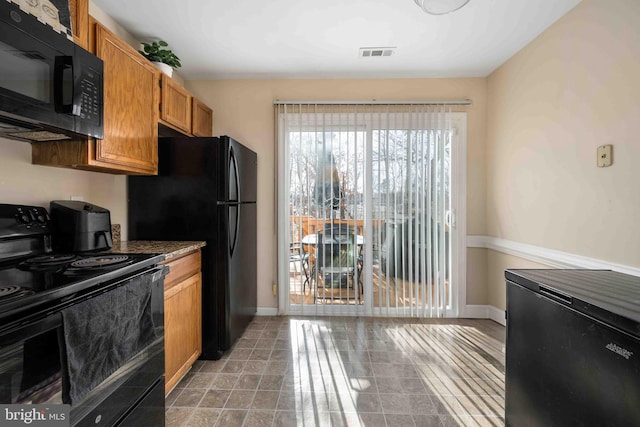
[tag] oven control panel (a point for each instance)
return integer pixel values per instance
(20, 220)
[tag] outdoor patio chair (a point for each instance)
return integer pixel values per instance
(337, 257)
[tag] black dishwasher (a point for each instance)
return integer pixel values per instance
(572, 348)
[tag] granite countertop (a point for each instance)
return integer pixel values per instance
(170, 249)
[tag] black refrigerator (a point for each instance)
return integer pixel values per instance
(206, 190)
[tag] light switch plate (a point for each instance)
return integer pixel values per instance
(605, 155)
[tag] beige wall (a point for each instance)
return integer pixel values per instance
(24, 183)
(477, 276)
(572, 89)
(244, 110)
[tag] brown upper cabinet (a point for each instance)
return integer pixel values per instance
(138, 99)
(175, 107)
(79, 10)
(131, 95)
(202, 119)
(130, 92)
(182, 112)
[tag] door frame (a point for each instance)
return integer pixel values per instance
(458, 239)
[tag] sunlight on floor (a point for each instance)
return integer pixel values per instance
(345, 371)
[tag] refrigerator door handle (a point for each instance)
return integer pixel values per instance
(234, 190)
(233, 227)
(234, 182)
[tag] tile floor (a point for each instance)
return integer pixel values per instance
(345, 371)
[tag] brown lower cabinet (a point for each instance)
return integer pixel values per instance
(182, 317)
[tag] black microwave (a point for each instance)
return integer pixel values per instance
(50, 88)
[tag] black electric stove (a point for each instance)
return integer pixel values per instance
(31, 274)
(84, 329)
(42, 279)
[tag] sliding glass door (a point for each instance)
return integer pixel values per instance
(367, 208)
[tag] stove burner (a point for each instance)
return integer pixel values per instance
(50, 259)
(46, 262)
(99, 261)
(13, 291)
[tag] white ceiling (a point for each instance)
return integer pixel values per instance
(217, 39)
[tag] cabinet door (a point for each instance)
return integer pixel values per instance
(202, 121)
(175, 108)
(79, 10)
(130, 118)
(183, 328)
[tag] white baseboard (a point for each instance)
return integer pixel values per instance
(475, 312)
(267, 311)
(468, 312)
(497, 315)
(484, 312)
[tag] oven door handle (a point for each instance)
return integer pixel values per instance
(158, 272)
(30, 329)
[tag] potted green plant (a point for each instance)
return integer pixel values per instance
(162, 57)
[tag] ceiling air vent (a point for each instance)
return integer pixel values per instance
(368, 52)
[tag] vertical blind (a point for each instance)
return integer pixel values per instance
(365, 207)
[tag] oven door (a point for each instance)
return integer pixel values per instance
(32, 358)
(30, 371)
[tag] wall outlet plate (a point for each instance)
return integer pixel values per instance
(605, 155)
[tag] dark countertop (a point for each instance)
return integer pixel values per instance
(171, 249)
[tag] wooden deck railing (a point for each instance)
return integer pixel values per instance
(310, 224)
